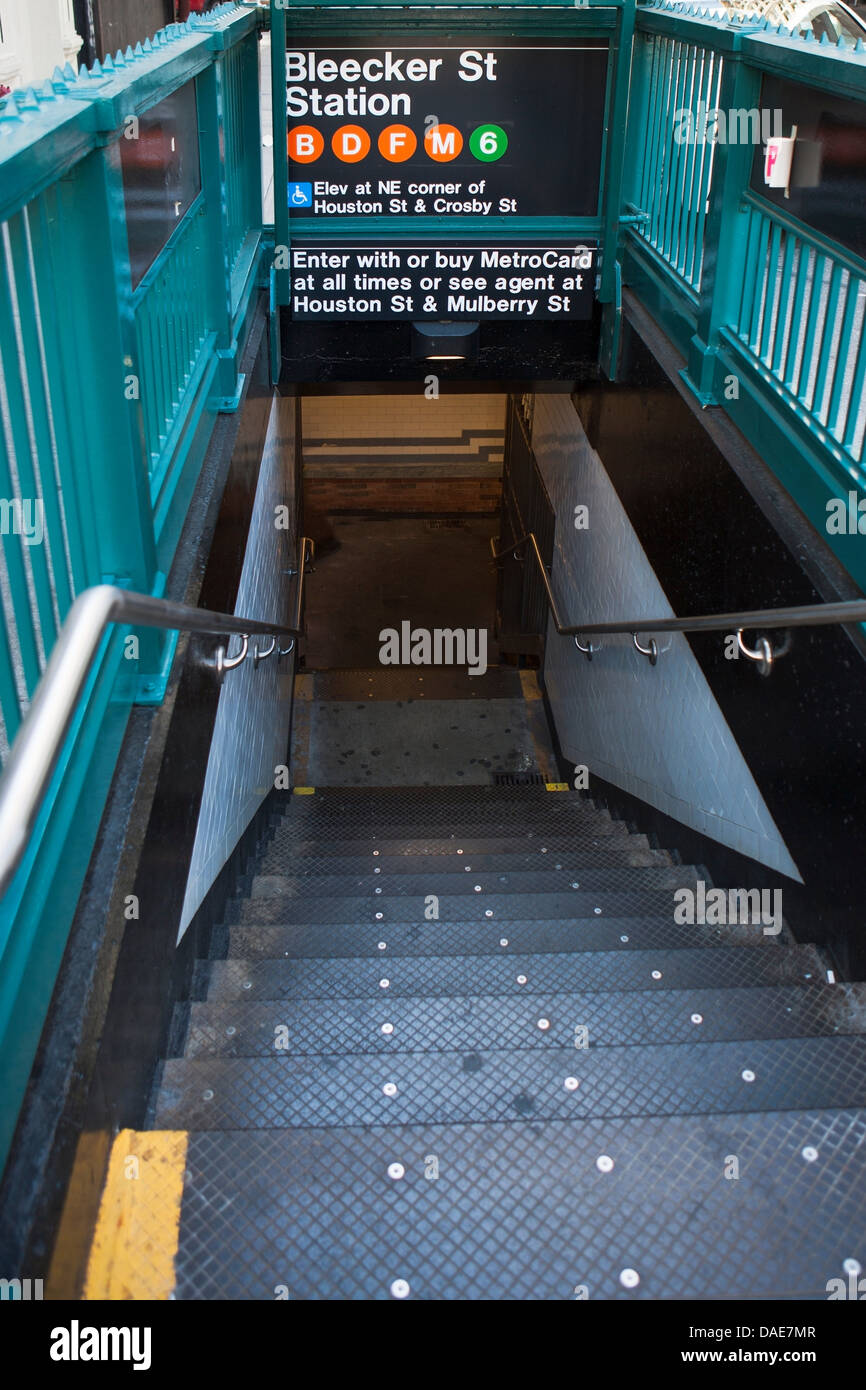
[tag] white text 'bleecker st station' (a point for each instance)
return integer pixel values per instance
(306, 68)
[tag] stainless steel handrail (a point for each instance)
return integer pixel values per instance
(39, 741)
(806, 615)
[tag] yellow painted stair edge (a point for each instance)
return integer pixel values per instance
(135, 1241)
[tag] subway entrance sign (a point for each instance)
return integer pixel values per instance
(519, 279)
(469, 128)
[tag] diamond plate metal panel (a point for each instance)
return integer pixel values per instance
(473, 1024)
(498, 1087)
(657, 732)
(522, 1211)
(252, 722)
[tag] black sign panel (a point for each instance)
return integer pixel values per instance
(469, 128)
(435, 281)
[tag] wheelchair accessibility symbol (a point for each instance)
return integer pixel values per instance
(300, 195)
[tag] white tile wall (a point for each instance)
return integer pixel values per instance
(657, 732)
(251, 731)
(333, 418)
(404, 436)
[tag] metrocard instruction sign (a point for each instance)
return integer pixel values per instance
(460, 282)
(467, 128)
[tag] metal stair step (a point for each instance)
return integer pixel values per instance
(465, 907)
(584, 822)
(256, 941)
(523, 1211)
(710, 967)
(289, 851)
(502, 1086)
(313, 864)
(425, 810)
(469, 879)
(472, 1024)
(449, 800)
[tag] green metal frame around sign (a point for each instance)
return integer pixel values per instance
(612, 22)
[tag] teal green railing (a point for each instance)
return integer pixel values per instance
(175, 327)
(240, 101)
(109, 392)
(674, 180)
(767, 312)
(801, 322)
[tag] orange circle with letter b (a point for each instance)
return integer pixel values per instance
(305, 144)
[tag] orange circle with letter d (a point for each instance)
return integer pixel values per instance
(350, 143)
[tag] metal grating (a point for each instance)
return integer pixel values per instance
(521, 1211)
(496, 1059)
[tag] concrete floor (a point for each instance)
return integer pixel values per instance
(395, 743)
(361, 740)
(391, 569)
(359, 723)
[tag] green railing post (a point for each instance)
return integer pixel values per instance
(230, 150)
(100, 347)
(610, 288)
(216, 238)
(724, 230)
(637, 133)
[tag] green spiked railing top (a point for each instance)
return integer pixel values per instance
(46, 128)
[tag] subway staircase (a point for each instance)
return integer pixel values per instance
(548, 1091)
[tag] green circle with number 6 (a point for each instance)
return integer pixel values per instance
(488, 142)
